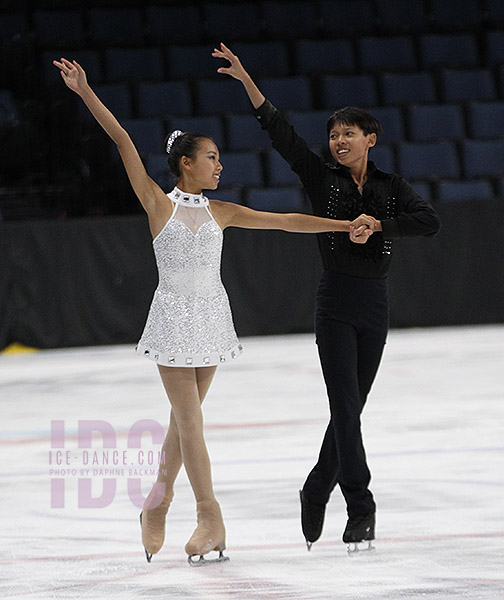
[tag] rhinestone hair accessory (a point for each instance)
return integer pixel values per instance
(173, 136)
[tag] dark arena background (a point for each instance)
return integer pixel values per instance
(77, 266)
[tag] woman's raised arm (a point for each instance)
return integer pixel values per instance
(147, 191)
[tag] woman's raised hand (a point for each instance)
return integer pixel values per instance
(235, 68)
(72, 74)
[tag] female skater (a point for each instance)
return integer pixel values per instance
(351, 318)
(189, 329)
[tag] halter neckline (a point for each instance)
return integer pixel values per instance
(187, 199)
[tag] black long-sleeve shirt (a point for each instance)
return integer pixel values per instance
(334, 194)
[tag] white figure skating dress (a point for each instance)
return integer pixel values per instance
(189, 322)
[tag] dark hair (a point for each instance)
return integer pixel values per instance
(353, 115)
(186, 144)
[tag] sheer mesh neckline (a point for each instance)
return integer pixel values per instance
(191, 217)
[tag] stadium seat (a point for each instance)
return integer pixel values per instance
(391, 120)
(215, 96)
(310, 125)
(260, 58)
(449, 191)
(163, 98)
(494, 45)
(383, 157)
(191, 61)
(12, 25)
(241, 169)
(428, 160)
(209, 126)
(288, 92)
(133, 64)
(486, 119)
(239, 20)
(115, 26)
(156, 166)
(228, 195)
(100, 3)
(278, 170)
(466, 85)
(160, 20)
(347, 18)
(289, 19)
(450, 16)
(9, 113)
(423, 189)
(115, 96)
(244, 133)
(356, 90)
(500, 187)
(52, 4)
(500, 75)
(457, 50)
(393, 53)
(147, 134)
(483, 158)
(59, 28)
(324, 56)
(276, 199)
(436, 122)
(408, 88)
(494, 10)
(398, 16)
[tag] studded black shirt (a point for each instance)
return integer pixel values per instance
(333, 193)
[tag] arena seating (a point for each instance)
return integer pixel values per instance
(431, 71)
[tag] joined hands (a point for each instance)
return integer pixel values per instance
(362, 228)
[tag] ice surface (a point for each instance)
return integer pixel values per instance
(434, 438)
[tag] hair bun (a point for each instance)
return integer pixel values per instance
(173, 136)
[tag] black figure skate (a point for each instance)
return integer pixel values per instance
(312, 519)
(360, 529)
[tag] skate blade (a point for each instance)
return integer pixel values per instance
(203, 562)
(309, 545)
(353, 548)
(148, 555)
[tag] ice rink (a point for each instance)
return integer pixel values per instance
(433, 430)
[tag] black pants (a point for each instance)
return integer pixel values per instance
(351, 324)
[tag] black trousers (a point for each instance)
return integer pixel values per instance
(351, 324)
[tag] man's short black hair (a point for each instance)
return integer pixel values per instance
(353, 115)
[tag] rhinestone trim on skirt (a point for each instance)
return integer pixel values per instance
(211, 359)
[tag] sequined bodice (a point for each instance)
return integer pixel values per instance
(190, 322)
(188, 253)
